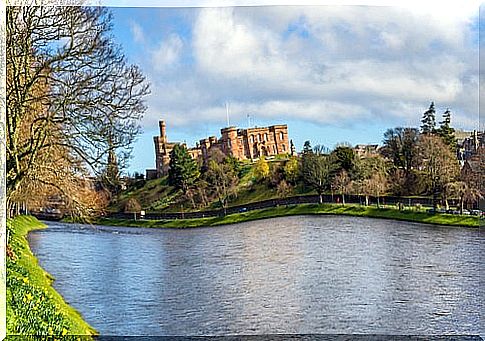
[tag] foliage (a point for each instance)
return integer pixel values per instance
(345, 158)
(400, 145)
(428, 122)
(318, 172)
(276, 174)
(446, 132)
(183, 170)
(307, 148)
(261, 169)
(291, 170)
(236, 165)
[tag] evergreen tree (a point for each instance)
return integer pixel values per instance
(111, 177)
(429, 121)
(446, 131)
(307, 148)
(183, 169)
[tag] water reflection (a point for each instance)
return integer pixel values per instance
(284, 275)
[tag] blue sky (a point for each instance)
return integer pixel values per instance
(332, 73)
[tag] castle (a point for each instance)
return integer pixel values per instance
(243, 144)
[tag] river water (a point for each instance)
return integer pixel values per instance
(291, 275)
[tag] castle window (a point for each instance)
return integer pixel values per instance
(266, 137)
(274, 149)
(283, 147)
(229, 144)
(281, 135)
(251, 139)
(259, 138)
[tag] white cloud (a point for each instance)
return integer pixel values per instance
(327, 65)
(167, 53)
(137, 32)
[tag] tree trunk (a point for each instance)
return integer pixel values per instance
(134, 215)
(461, 205)
(447, 206)
(378, 206)
(366, 200)
(320, 197)
(343, 199)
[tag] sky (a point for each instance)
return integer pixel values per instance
(331, 73)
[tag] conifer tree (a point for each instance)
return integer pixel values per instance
(307, 148)
(183, 169)
(446, 131)
(429, 121)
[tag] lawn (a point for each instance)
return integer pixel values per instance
(305, 209)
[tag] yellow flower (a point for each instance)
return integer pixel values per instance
(28, 296)
(25, 280)
(64, 331)
(51, 331)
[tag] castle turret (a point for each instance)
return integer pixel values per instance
(163, 136)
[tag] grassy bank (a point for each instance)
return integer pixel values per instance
(33, 306)
(306, 209)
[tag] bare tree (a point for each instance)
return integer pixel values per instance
(69, 87)
(342, 183)
(465, 193)
(438, 165)
(223, 182)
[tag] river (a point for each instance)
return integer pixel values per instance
(291, 275)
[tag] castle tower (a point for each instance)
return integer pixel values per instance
(163, 136)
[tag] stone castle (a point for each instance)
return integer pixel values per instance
(243, 144)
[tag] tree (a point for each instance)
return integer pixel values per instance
(223, 182)
(320, 149)
(345, 158)
(400, 145)
(307, 148)
(283, 189)
(376, 186)
(70, 92)
(318, 173)
(132, 206)
(111, 176)
(428, 122)
(183, 170)
(235, 164)
(371, 179)
(465, 193)
(439, 165)
(261, 169)
(292, 170)
(342, 183)
(446, 132)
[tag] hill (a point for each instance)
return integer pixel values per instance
(158, 196)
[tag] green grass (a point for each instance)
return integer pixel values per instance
(305, 209)
(155, 195)
(33, 306)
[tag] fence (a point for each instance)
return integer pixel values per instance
(295, 200)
